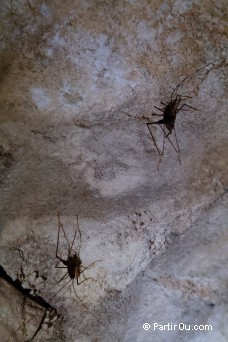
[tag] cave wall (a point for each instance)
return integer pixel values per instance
(79, 81)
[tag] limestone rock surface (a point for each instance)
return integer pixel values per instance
(79, 82)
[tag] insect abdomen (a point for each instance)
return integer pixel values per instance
(74, 264)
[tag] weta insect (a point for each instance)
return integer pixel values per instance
(75, 269)
(73, 263)
(169, 113)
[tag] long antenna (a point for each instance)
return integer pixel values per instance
(202, 67)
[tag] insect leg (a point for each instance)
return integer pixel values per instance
(65, 275)
(56, 266)
(80, 236)
(60, 289)
(176, 140)
(60, 260)
(170, 141)
(154, 141)
(90, 265)
(87, 268)
(161, 110)
(75, 236)
(81, 300)
(61, 226)
(163, 147)
(57, 245)
(79, 283)
(178, 154)
(186, 105)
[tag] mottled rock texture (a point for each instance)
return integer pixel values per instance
(79, 81)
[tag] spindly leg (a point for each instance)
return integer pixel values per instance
(154, 141)
(170, 141)
(176, 140)
(161, 110)
(86, 268)
(60, 289)
(61, 226)
(60, 260)
(178, 154)
(80, 300)
(80, 235)
(75, 233)
(89, 266)
(79, 283)
(56, 266)
(186, 105)
(167, 136)
(57, 245)
(163, 147)
(65, 275)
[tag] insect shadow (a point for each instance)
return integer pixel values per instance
(73, 262)
(168, 113)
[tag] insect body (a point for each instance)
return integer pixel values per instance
(167, 124)
(168, 113)
(73, 263)
(75, 269)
